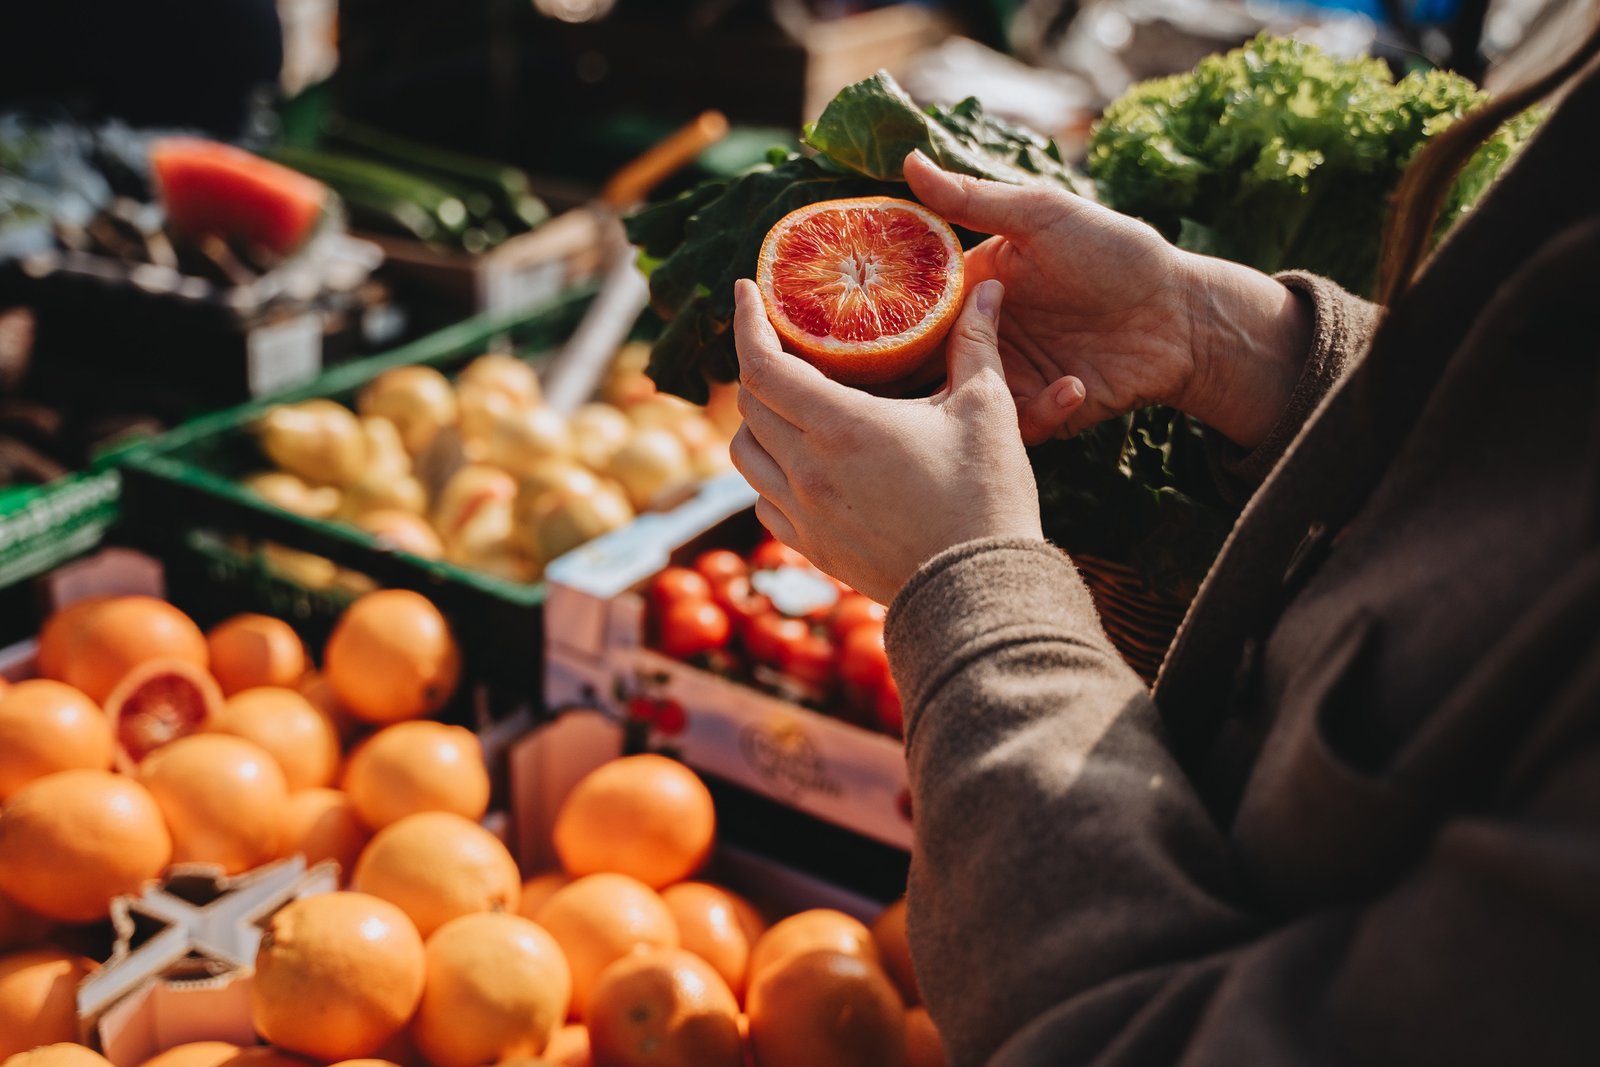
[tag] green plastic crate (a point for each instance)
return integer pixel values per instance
(41, 527)
(182, 502)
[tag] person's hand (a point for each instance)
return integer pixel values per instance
(868, 487)
(1098, 303)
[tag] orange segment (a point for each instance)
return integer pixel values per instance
(865, 289)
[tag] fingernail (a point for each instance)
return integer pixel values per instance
(988, 297)
(1068, 392)
(921, 156)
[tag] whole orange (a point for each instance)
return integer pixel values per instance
(38, 998)
(924, 1046)
(61, 1054)
(365, 1061)
(826, 1007)
(645, 816)
(889, 934)
(497, 987)
(663, 1008)
(59, 635)
(718, 926)
(72, 841)
(322, 824)
(255, 650)
(807, 931)
(436, 866)
(413, 767)
(601, 918)
(194, 1054)
(46, 727)
(337, 976)
(538, 889)
(392, 657)
(223, 798)
(294, 733)
(104, 641)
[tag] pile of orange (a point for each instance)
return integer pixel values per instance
(438, 953)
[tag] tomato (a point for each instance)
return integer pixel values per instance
(692, 627)
(739, 599)
(720, 564)
(852, 610)
(211, 188)
(891, 715)
(863, 661)
(812, 660)
(771, 555)
(675, 584)
(768, 638)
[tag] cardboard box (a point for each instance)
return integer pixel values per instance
(596, 658)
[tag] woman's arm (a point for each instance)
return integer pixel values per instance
(1071, 902)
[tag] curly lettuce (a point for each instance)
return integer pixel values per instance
(1279, 155)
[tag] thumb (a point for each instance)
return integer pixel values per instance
(1016, 211)
(1045, 414)
(974, 340)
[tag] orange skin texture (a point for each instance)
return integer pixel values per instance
(599, 919)
(60, 1054)
(392, 657)
(645, 816)
(255, 650)
(663, 1008)
(719, 926)
(889, 932)
(875, 362)
(413, 767)
(103, 642)
(322, 824)
(298, 736)
(72, 841)
(339, 975)
(38, 998)
(826, 1007)
(223, 797)
(436, 866)
(809, 931)
(45, 727)
(924, 1046)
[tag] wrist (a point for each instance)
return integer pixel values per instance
(1249, 337)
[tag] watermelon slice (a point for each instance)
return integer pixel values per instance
(210, 188)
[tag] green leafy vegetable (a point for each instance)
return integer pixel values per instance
(1281, 156)
(696, 245)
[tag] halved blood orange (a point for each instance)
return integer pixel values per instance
(159, 702)
(864, 289)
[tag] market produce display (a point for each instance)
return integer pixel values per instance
(774, 621)
(439, 953)
(864, 289)
(480, 471)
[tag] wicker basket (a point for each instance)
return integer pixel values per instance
(1140, 621)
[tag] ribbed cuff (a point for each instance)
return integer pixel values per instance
(979, 596)
(1341, 326)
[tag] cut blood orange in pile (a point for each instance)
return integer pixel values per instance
(864, 289)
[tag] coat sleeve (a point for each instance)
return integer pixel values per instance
(1072, 902)
(1341, 328)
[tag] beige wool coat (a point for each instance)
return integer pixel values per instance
(1358, 819)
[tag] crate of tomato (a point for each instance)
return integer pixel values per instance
(707, 639)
